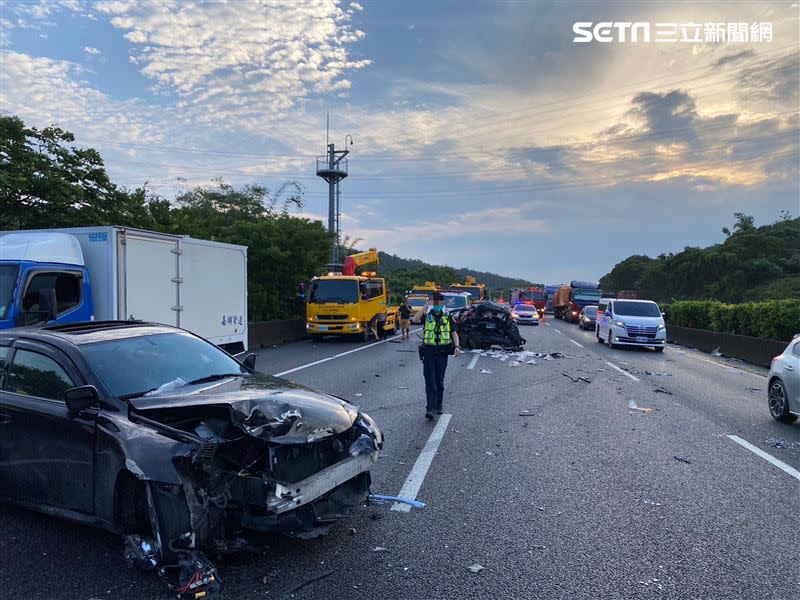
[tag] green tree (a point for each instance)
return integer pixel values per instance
(45, 181)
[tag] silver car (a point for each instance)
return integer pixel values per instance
(784, 383)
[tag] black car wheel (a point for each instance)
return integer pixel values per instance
(611, 339)
(779, 402)
(597, 335)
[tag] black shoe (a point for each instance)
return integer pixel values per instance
(440, 411)
(429, 415)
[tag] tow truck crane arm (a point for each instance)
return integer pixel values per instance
(357, 260)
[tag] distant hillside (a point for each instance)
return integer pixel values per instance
(402, 273)
(753, 263)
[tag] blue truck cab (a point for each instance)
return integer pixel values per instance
(43, 278)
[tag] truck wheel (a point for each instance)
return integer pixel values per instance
(659, 348)
(366, 332)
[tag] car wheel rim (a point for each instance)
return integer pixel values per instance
(776, 399)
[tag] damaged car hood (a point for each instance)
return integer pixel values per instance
(262, 406)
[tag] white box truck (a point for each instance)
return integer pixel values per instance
(119, 273)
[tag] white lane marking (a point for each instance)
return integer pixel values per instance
(767, 457)
(624, 372)
(576, 343)
(556, 330)
(415, 478)
(473, 362)
(324, 360)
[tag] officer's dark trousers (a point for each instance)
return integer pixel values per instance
(434, 364)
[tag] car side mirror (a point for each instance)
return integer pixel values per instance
(663, 314)
(79, 399)
(249, 361)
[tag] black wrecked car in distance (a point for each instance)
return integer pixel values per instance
(155, 434)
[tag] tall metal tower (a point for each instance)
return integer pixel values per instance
(332, 167)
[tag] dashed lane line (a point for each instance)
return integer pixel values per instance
(767, 457)
(324, 360)
(556, 330)
(623, 371)
(415, 478)
(576, 343)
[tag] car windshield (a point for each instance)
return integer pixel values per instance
(590, 311)
(636, 309)
(137, 365)
(8, 277)
(525, 308)
(334, 290)
(455, 301)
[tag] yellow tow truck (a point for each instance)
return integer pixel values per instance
(477, 291)
(343, 303)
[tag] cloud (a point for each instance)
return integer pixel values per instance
(242, 63)
(736, 56)
(356, 6)
(92, 51)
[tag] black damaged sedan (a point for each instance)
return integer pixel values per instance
(154, 433)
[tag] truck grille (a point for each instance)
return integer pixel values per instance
(331, 317)
(641, 331)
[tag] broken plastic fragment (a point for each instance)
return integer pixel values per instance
(485, 371)
(167, 387)
(365, 444)
(476, 568)
(319, 434)
(383, 498)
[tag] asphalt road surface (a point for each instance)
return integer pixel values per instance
(626, 486)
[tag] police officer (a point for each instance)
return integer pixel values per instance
(439, 340)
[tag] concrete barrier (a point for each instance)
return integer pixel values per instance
(270, 333)
(757, 351)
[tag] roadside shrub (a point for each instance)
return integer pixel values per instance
(774, 319)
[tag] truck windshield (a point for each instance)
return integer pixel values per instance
(8, 279)
(455, 301)
(587, 295)
(529, 295)
(416, 302)
(152, 361)
(334, 290)
(636, 309)
(475, 291)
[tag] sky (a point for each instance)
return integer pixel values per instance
(483, 135)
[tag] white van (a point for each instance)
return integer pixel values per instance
(630, 323)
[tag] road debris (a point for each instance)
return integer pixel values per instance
(476, 568)
(632, 406)
(527, 413)
(576, 380)
(290, 592)
(485, 371)
(651, 502)
(716, 352)
(380, 549)
(660, 390)
(683, 460)
(785, 444)
(381, 498)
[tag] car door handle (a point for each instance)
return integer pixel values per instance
(788, 367)
(5, 419)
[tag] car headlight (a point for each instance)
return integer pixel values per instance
(619, 324)
(515, 315)
(660, 327)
